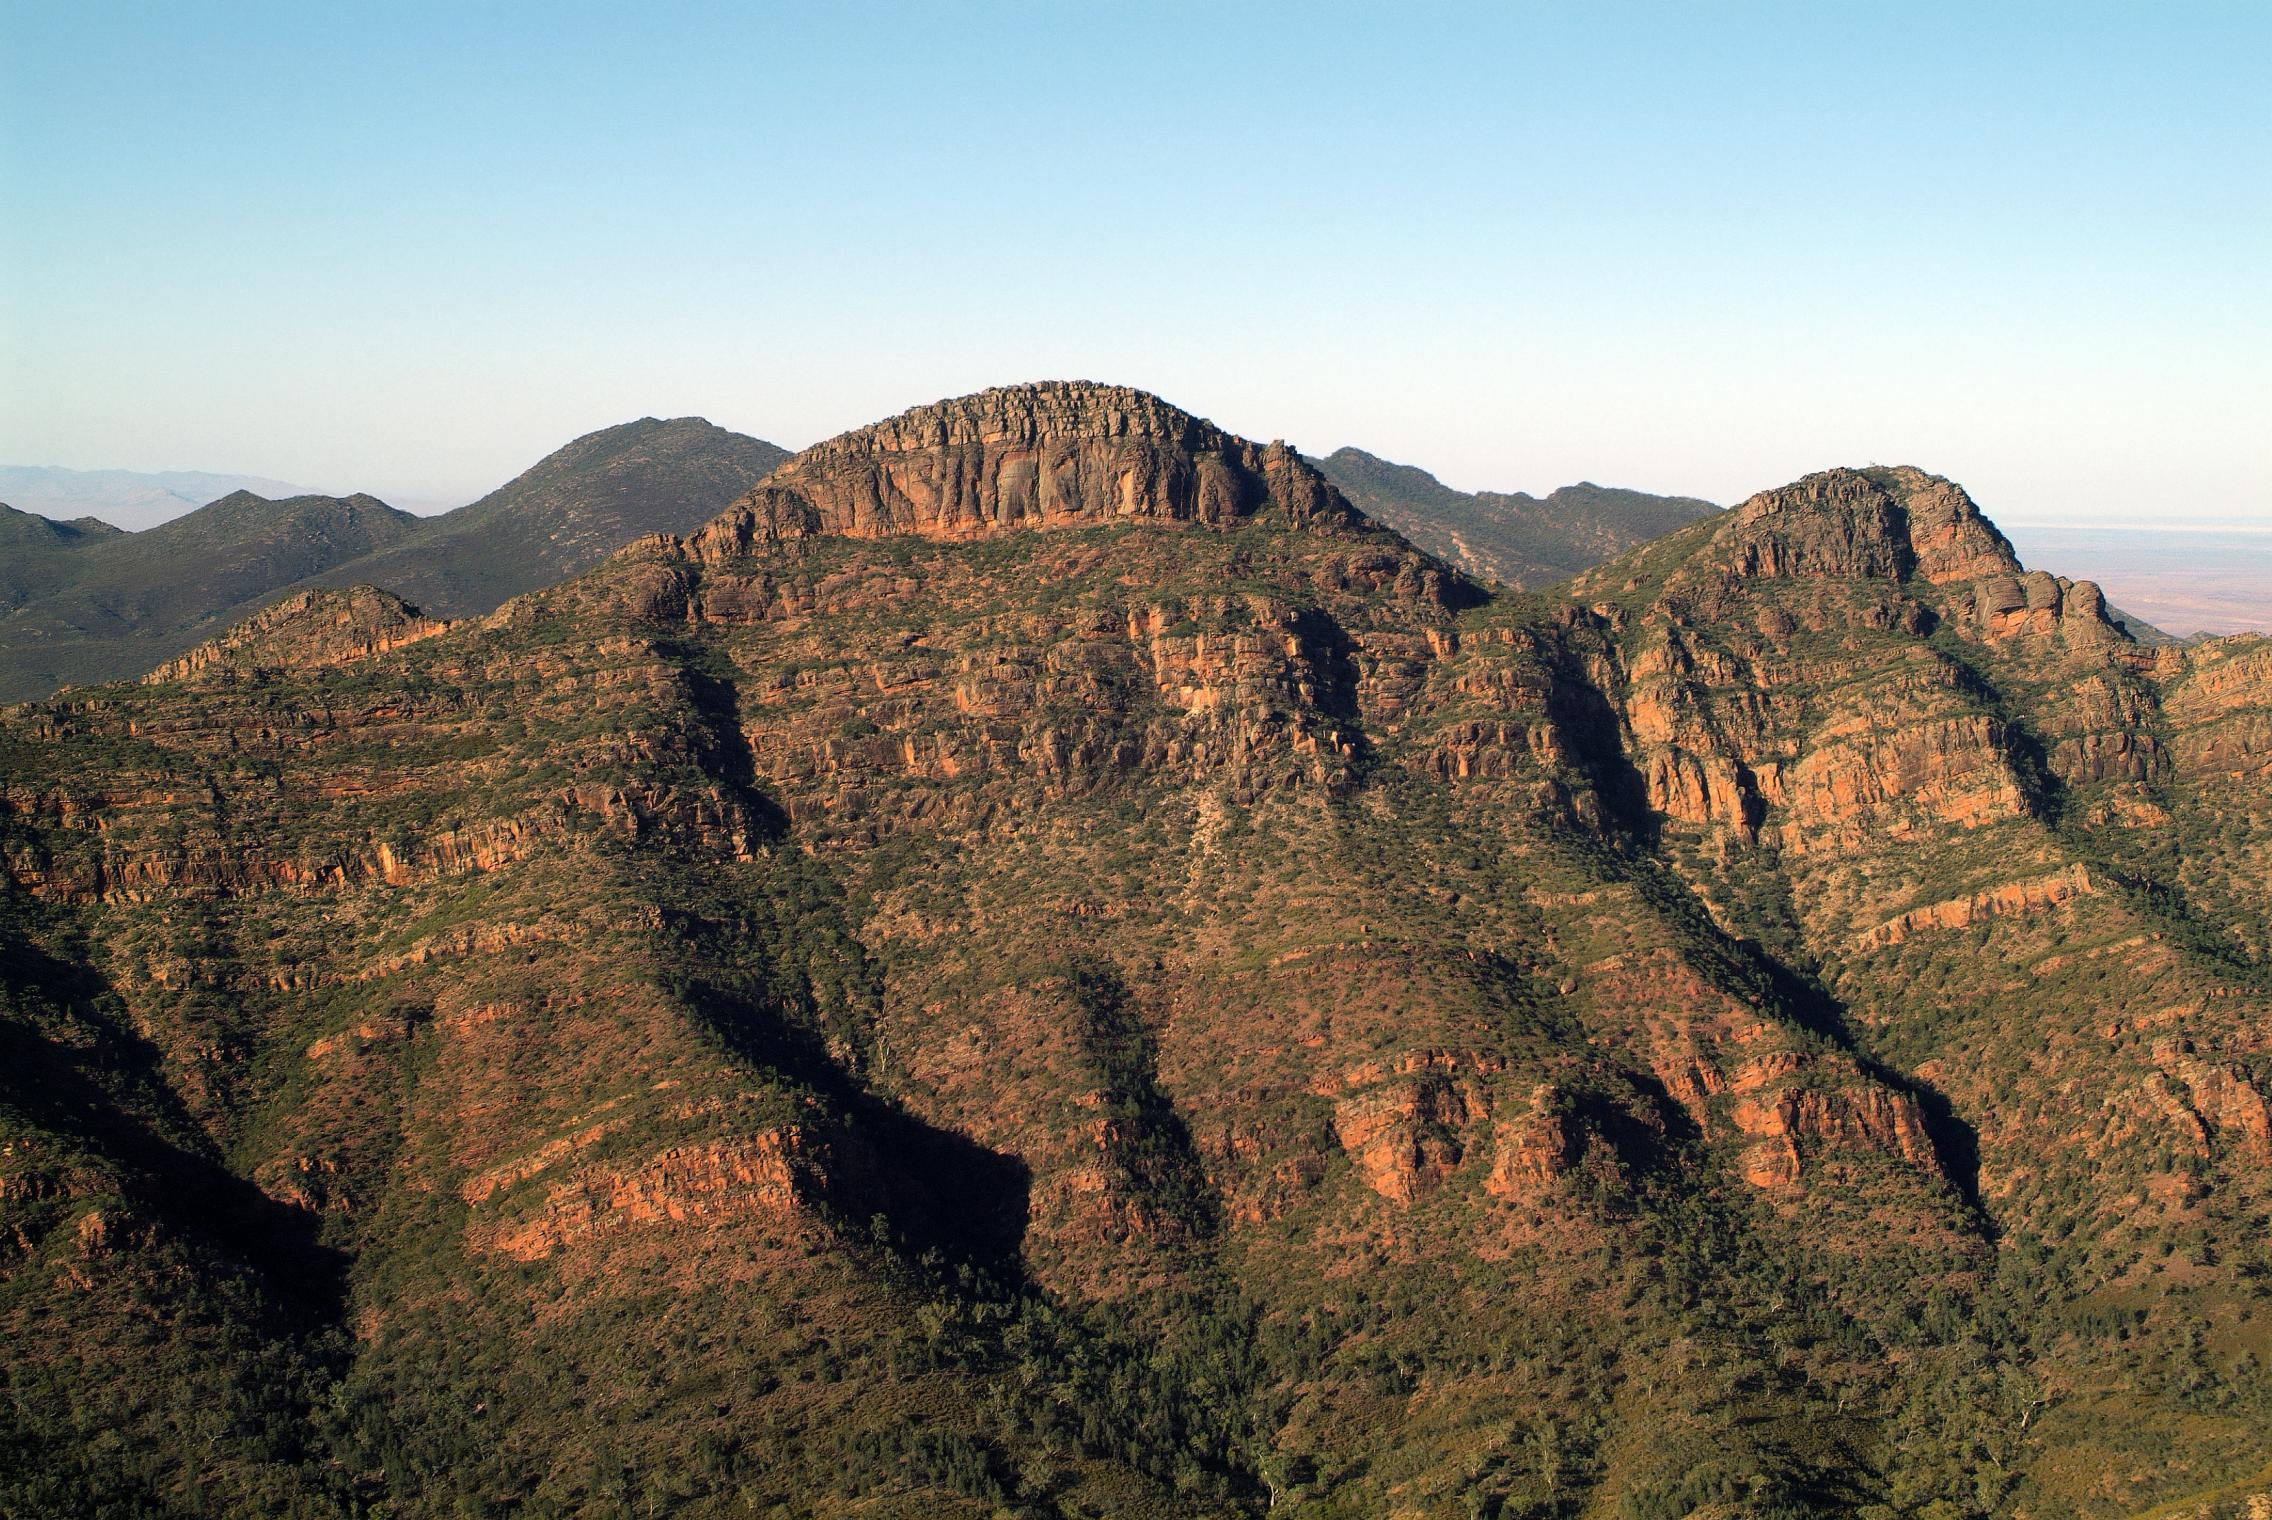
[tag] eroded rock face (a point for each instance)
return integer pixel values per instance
(2213, 1099)
(1535, 1147)
(1407, 1125)
(1866, 524)
(2032, 896)
(701, 1186)
(309, 630)
(1788, 1124)
(762, 947)
(1029, 456)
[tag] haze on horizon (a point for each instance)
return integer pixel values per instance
(1684, 249)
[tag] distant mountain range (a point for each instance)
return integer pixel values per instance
(1517, 540)
(81, 602)
(129, 499)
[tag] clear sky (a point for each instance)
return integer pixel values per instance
(1689, 247)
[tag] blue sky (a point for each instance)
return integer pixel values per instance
(1692, 247)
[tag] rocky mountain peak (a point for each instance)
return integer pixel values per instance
(1881, 522)
(1053, 454)
(1920, 538)
(1044, 412)
(1951, 539)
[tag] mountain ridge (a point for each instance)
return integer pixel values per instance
(119, 603)
(130, 500)
(1515, 539)
(567, 511)
(1045, 454)
(1178, 1010)
(122, 605)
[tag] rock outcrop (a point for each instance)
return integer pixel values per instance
(306, 631)
(1029, 456)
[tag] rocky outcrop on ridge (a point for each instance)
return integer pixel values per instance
(1028, 456)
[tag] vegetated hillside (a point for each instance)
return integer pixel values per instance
(572, 508)
(1043, 962)
(113, 604)
(111, 608)
(1516, 540)
(130, 500)
(39, 554)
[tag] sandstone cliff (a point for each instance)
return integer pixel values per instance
(873, 1009)
(1029, 456)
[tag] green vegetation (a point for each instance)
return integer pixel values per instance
(1151, 1021)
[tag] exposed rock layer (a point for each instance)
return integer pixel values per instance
(1157, 1014)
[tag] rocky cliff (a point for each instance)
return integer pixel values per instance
(870, 1008)
(1027, 456)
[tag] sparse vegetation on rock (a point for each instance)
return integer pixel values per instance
(1043, 962)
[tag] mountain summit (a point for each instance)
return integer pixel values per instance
(1044, 455)
(566, 512)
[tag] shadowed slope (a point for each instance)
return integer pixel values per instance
(1517, 540)
(871, 1010)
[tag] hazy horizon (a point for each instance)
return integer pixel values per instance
(1685, 252)
(2196, 523)
(2183, 577)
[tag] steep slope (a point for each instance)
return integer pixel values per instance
(1517, 540)
(131, 500)
(1043, 961)
(121, 606)
(2013, 851)
(121, 602)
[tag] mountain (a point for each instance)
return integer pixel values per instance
(1517, 540)
(39, 554)
(129, 601)
(566, 512)
(1044, 963)
(128, 499)
(119, 602)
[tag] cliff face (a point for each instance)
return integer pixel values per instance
(870, 1009)
(1028, 456)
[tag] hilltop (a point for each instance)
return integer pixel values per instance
(129, 500)
(87, 604)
